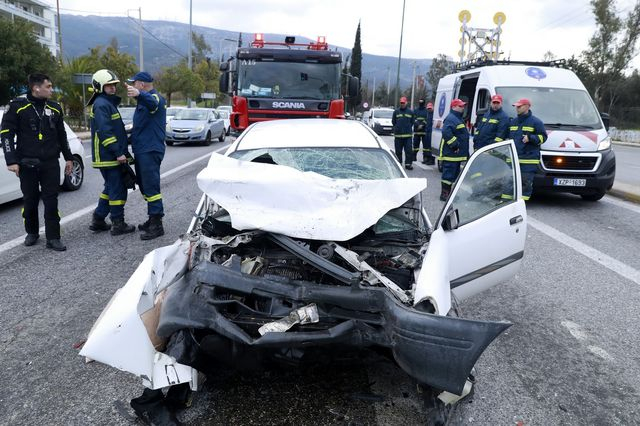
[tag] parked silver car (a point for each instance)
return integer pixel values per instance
(195, 125)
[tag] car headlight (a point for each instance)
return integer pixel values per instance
(604, 144)
(198, 128)
(168, 128)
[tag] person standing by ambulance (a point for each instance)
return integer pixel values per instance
(33, 136)
(422, 126)
(147, 141)
(528, 133)
(493, 127)
(402, 121)
(454, 147)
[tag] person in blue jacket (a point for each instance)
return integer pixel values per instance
(422, 126)
(454, 147)
(402, 121)
(147, 142)
(109, 151)
(493, 127)
(528, 133)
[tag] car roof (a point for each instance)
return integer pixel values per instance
(307, 132)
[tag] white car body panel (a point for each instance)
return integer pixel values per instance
(305, 204)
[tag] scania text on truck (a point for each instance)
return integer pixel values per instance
(273, 80)
(577, 156)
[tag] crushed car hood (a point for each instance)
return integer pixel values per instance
(299, 204)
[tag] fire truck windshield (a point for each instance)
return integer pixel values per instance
(288, 80)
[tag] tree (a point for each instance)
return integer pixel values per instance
(611, 49)
(548, 56)
(356, 67)
(179, 78)
(20, 55)
(200, 48)
(210, 74)
(440, 66)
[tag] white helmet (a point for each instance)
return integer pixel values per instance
(100, 79)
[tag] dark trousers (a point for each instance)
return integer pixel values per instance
(41, 182)
(148, 171)
(450, 171)
(527, 173)
(114, 194)
(425, 139)
(404, 144)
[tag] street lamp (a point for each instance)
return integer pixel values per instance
(139, 34)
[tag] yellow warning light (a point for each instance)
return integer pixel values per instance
(499, 18)
(464, 16)
(559, 160)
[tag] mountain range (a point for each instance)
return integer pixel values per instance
(165, 43)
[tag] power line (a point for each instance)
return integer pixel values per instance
(157, 39)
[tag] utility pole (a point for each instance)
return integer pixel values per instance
(373, 95)
(190, 37)
(413, 83)
(395, 102)
(388, 84)
(140, 37)
(59, 29)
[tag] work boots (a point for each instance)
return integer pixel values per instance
(144, 226)
(98, 224)
(446, 190)
(153, 230)
(120, 227)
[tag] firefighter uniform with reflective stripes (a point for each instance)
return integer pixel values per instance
(402, 121)
(33, 136)
(109, 141)
(422, 125)
(493, 127)
(147, 142)
(454, 148)
(528, 153)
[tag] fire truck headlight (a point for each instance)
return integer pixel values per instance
(604, 144)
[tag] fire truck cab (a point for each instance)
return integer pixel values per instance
(272, 80)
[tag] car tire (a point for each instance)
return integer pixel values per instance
(207, 139)
(594, 196)
(222, 136)
(169, 143)
(228, 130)
(73, 182)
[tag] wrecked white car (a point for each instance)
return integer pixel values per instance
(309, 234)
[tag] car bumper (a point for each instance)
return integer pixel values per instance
(382, 130)
(596, 181)
(185, 137)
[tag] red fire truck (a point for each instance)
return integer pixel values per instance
(273, 80)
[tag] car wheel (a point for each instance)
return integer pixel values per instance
(594, 196)
(222, 136)
(228, 130)
(74, 181)
(169, 143)
(207, 140)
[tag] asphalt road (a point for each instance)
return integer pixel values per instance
(571, 357)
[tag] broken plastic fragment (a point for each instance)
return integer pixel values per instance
(449, 398)
(305, 315)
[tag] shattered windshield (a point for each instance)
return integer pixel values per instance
(336, 163)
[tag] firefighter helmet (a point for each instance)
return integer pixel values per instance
(100, 79)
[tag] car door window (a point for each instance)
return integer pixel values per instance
(486, 185)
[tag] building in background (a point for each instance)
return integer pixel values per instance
(40, 15)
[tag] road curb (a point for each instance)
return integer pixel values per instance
(626, 192)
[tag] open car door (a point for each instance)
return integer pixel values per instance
(479, 237)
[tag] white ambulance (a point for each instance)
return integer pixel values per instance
(577, 157)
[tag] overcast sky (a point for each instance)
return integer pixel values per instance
(430, 27)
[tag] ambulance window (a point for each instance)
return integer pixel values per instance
(483, 99)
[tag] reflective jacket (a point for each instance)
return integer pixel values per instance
(149, 123)
(527, 124)
(33, 128)
(402, 121)
(493, 127)
(422, 121)
(108, 136)
(455, 138)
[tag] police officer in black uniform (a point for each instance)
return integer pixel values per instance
(33, 137)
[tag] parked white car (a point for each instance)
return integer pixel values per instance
(309, 235)
(227, 121)
(10, 184)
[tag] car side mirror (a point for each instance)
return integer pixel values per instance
(224, 81)
(605, 120)
(451, 220)
(224, 66)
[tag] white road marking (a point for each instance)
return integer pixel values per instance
(75, 215)
(575, 330)
(597, 256)
(620, 203)
(600, 352)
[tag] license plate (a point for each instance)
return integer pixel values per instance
(180, 136)
(569, 182)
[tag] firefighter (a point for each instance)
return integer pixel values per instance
(454, 147)
(33, 137)
(422, 132)
(493, 127)
(109, 151)
(528, 133)
(147, 141)
(402, 121)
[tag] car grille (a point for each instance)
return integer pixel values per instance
(565, 162)
(181, 130)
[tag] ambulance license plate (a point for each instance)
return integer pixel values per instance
(569, 182)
